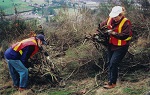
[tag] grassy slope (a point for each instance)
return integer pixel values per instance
(123, 88)
(127, 87)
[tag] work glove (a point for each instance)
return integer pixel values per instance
(108, 31)
(111, 32)
(48, 58)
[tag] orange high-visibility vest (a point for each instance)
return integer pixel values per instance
(118, 29)
(20, 45)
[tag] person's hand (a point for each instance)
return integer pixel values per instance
(108, 31)
(96, 32)
(111, 32)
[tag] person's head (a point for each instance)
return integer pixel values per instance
(41, 40)
(117, 13)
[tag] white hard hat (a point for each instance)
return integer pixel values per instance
(115, 11)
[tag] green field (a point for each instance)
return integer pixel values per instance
(8, 6)
(38, 1)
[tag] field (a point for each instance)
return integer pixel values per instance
(38, 1)
(8, 6)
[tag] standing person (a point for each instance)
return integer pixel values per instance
(17, 58)
(119, 29)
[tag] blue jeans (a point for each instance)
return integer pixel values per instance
(18, 72)
(114, 58)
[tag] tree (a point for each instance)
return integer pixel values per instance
(47, 1)
(2, 13)
(145, 6)
(51, 11)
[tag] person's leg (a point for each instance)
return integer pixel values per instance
(23, 72)
(110, 53)
(13, 73)
(117, 56)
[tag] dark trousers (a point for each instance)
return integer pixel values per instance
(114, 58)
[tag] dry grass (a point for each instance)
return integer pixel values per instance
(66, 36)
(127, 88)
(26, 92)
(139, 45)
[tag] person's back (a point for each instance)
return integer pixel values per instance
(17, 58)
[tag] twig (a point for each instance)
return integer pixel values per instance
(70, 74)
(91, 89)
(74, 28)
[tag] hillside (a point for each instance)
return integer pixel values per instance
(77, 64)
(93, 0)
(8, 6)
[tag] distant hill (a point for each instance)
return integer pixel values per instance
(8, 6)
(93, 0)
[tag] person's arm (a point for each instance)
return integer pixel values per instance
(104, 23)
(43, 50)
(101, 27)
(124, 33)
(27, 51)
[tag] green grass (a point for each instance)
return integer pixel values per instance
(8, 6)
(8, 91)
(134, 91)
(79, 52)
(59, 93)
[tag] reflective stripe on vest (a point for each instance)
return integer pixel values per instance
(17, 46)
(109, 23)
(119, 42)
(21, 52)
(20, 45)
(120, 28)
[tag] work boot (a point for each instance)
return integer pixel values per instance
(109, 86)
(21, 89)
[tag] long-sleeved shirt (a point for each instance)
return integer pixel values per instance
(124, 33)
(27, 51)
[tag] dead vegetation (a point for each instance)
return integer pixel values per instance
(78, 61)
